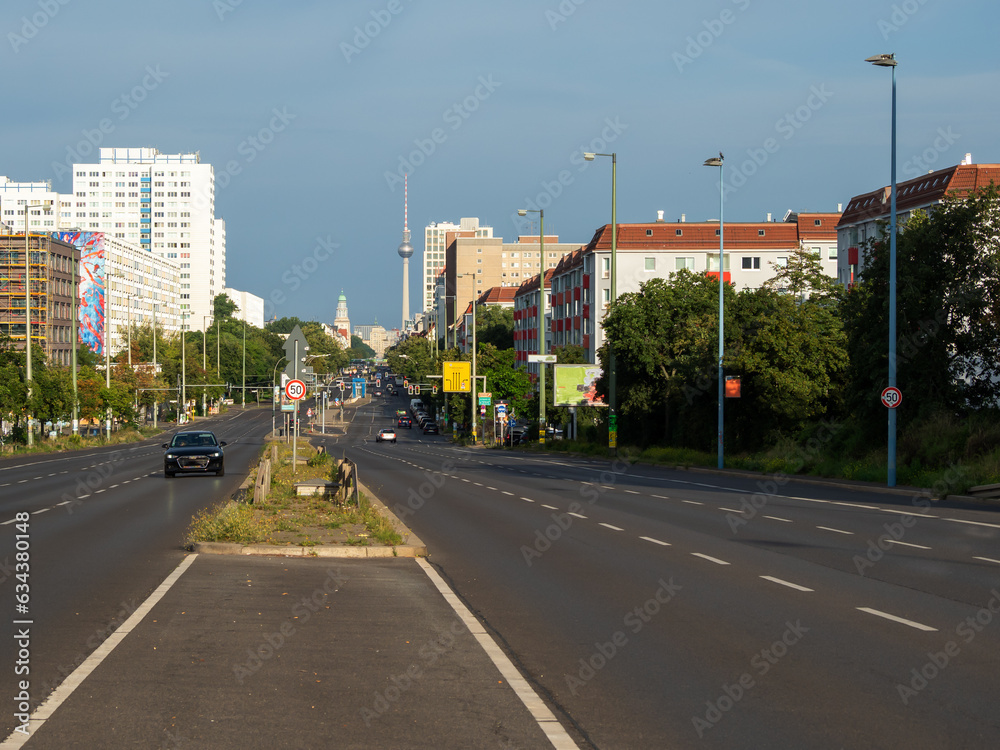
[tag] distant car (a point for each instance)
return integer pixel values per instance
(404, 422)
(400, 413)
(386, 435)
(431, 428)
(195, 451)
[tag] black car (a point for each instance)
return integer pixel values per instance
(404, 422)
(194, 451)
(431, 428)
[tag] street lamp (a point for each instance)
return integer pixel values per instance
(182, 407)
(204, 362)
(612, 365)
(717, 161)
(541, 317)
(889, 61)
(27, 308)
(473, 398)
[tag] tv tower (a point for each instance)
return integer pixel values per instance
(405, 251)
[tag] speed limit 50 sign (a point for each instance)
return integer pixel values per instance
(295, 389)
(892, 397)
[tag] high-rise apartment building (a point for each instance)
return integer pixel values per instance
(435, 247)
(165, 204)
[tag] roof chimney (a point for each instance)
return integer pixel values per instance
(967, 159)
(840, 208)
(659, 216)
(683, 218)
(769, 216)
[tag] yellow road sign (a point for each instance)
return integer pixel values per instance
(457, 377)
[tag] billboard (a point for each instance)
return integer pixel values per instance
(576, 385)
(91, 290)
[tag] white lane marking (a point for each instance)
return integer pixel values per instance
(987, 559)
(6, 523)
(731, 510)
(606, 487)
(527, 499)
(632, 492)
(535, 705)
(507, 493)
(36, 512)
(691, 502)
(661, 497)
(491, 488)
(550, 507)
(857, 505)
(716, 560)
(776, 518)
(903, 621)
(906, 544)
(609, 526)
(790, 585)
(58, 696)
(835, 531)
(654, 541)
(576, 515)
(974, 523)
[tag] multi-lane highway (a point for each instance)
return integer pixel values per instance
(660, 608)
(647, 607)
(104, 528)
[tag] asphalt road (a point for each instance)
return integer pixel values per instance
(104, 528)
(659, 608)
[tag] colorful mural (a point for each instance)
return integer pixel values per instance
(91, 288)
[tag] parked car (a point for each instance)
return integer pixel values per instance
(195, 451)
(431, 428)
(386, 435)
(404, 422)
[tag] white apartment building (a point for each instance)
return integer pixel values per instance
(434, 251)
(249, 307)
(165, 204)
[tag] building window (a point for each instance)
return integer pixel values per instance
(751, 263)
(649, 232)
(817, 222)
(650, 264)
(679, 232)
(781, 262)
(833, 253)
(712, 262)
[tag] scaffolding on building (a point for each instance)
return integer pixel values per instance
(13, 297)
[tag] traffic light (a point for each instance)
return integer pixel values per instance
(434, 390)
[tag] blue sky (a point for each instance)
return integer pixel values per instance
(502, 98)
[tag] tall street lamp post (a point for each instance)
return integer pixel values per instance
(889, 61)
(541, 316)
(204, 363)
(27, 308)
(74, 333)
(717, 161)
(182, 407)
(612, 365)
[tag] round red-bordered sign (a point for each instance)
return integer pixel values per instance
(892, 397)
(295, 389)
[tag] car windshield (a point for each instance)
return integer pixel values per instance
(194, 440)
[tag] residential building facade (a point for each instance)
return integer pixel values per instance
(50, 281)
(249, 307)
(867, 214)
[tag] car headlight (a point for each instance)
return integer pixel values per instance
(217, 454)
(170, 455)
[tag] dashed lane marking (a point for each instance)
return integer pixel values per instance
(901, 620)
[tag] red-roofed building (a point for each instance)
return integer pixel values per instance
(496, 296)
(581, 282)
(865, 213)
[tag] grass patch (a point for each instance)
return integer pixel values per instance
(230, 522)
(288, 519)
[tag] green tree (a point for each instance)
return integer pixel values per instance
(495, 326)
(791, 355)
(948, 297)
(223, 306)
(359, 349)
(665, 338)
